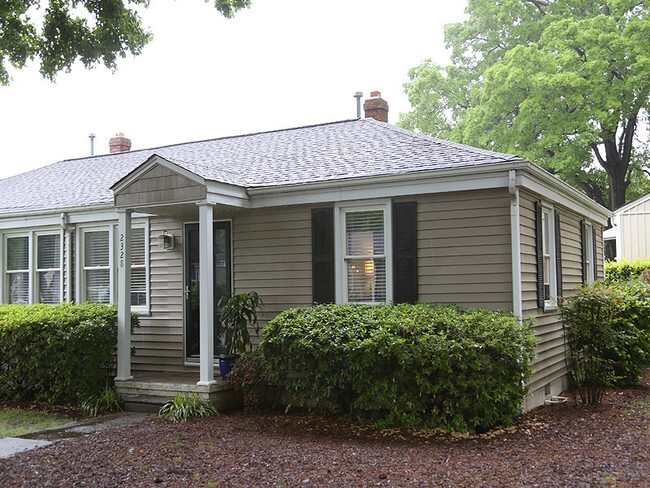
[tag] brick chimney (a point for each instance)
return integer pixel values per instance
(376, 107)
(119, 143)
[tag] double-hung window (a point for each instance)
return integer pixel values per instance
(138, 268)
(33, 268)
(364, 251)
(549, 279)
(97, 266)
(48, 268)
(548, 253)
(17, 269)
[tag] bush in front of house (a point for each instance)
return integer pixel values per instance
(625, 269)
(56, 353)
(607, 331)
(423, 365)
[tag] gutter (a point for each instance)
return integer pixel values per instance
(515, 243)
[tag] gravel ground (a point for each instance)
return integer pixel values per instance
(553, 446)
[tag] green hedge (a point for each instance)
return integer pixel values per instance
(625, 270)
(423, 365)
(607, 329)
(56, 353)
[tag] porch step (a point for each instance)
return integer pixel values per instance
(145, 403)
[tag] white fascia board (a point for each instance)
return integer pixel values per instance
(439, 181)
(218, 193)
(632, 204)
(555, 190)
(147, 165)
(51, 217)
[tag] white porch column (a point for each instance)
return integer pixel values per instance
(124, 296)
(206, 295)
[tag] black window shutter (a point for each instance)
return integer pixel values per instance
(405, 252)
(594, 258)
(322, 254)
(583, 245)
(558, 253)
(539, 250)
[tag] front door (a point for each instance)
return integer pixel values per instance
(222, 284)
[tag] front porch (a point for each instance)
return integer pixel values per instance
(147, 392)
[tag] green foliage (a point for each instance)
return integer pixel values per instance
(87, 30)
(56, 353)
(251, 375)
(607, 331)
(184, 406)
(559, 82)
(625, 270)
(423, 365)
(14, 422)
(106, 401)
(237, 314)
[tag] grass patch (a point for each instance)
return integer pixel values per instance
(16, 422)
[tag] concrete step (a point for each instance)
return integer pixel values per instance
(145, 403)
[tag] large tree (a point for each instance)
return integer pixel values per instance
(564, 83)
(58, 32)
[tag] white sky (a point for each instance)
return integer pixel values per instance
(282, 63)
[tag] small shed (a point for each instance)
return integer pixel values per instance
(630, 231)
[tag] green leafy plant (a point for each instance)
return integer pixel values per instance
(251, 376)
(184, 406)
(607, 332)
(57, 353)
(625, 269)
(106, 401)
(238, 313)
(423, 365)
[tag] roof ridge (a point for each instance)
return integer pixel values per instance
(309, 126)
(444, 142)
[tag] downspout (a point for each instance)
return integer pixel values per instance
(67, 237)
(515, 243)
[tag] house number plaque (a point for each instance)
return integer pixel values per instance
(121, 250)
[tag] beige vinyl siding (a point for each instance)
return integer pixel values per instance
(549, 365)
(159, 339)
(272, 256)
(159, 185)
(464, 248)
(635, 231)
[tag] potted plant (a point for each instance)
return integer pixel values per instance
(238, 313)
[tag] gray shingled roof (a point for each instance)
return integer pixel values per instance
(339, 150)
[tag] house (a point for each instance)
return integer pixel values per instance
(357, 210)
(629, 236)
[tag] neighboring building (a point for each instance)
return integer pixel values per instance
(357, 210)
(630, 231)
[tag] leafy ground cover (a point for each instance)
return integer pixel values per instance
(554, 446)
(15, 422)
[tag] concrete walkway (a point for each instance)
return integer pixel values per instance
(11, 445)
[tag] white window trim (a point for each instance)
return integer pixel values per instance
(591, 255)
(32, 267)
(81, 265)
(340, 273)
(551, 304)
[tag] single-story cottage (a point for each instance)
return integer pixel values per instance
(351, 211)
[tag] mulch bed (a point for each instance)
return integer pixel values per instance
(553, 446)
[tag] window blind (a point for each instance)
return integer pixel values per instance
(18, 269)
(365, 256)
(49, 268)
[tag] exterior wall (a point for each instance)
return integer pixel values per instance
(635, 231)
(159, 339)
(549, 365)
(464, 248)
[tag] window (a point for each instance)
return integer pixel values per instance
(589, 264)
(33, 275)
(364, 254)
(138, 268)
(18, 269)
(48, 268)
(96, 266)
(549, 277)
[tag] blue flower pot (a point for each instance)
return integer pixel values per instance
(225, 365)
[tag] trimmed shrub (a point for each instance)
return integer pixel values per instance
(56, 353)
(607, 331)
(423, 365)
(625, 270)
